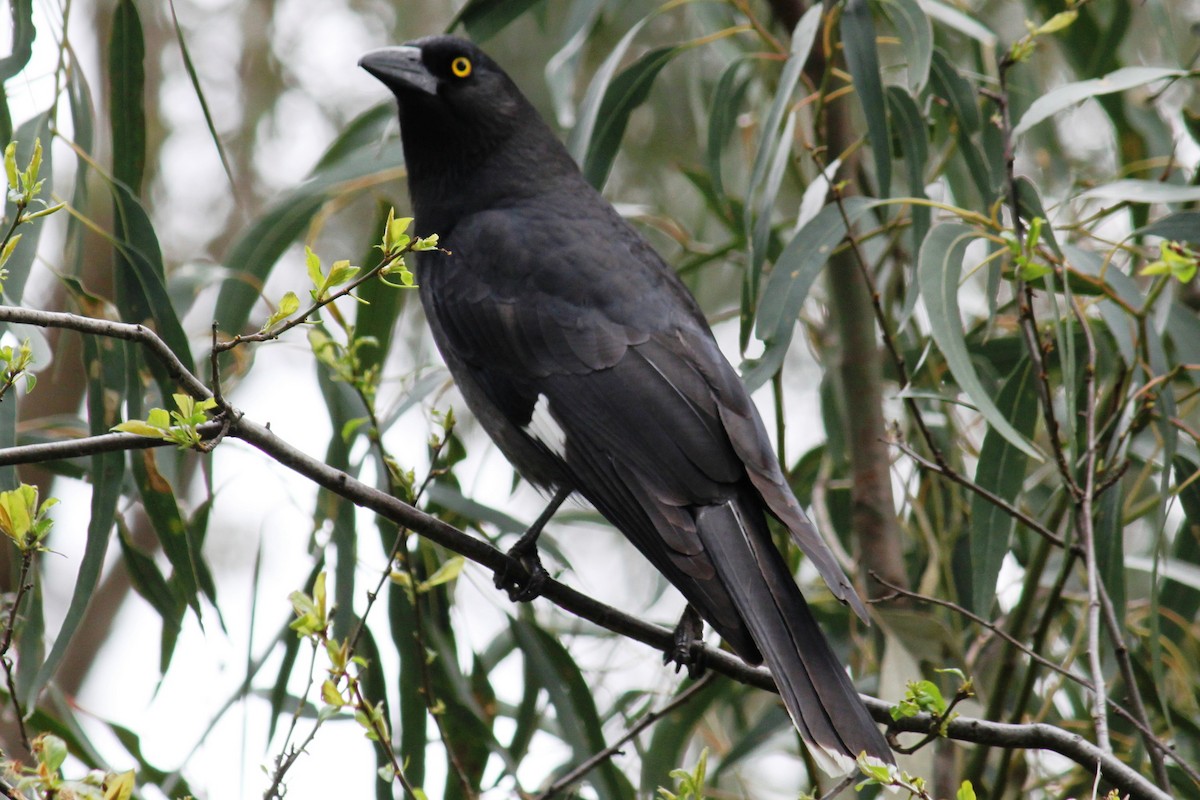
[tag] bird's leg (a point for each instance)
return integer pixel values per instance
(526, 588)
(689, 644)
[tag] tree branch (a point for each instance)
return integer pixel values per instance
(1032, 736)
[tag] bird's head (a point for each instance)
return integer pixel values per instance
(469, 134)
(450, 85)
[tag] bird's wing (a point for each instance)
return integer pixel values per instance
(585, 322)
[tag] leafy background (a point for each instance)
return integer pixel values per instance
(201, 145)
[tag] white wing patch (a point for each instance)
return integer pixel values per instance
(545, 428)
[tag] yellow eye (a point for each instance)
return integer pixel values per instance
(461, 67)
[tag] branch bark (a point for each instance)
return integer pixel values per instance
(1032, 736)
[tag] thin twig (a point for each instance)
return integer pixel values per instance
(964, 693)
(288, 755)
(614, 749)
(1029, 736)
(991, 497)
(1024, 292)
(302, 317)
(889, 341)
(23, 586)
(1087, 530)
(1153, 745)
(1135, 718)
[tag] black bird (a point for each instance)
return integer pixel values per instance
(592, 367)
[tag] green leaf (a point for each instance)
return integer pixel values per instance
(862, 58)
(726, 102)
(759, 202)
(1001, 470)
(1108, 533)
(149, 582)
(53, 753)
(1066, 96)
(483, 19)
(446, 572)
(20, 261)
(574, 705)
(1132, 190)
(158, 498)
(939, 266)
(139, 428)
(912, 131)
(340, 273)
(376, 320)
(104, 361)
(1175, 260)
(673, 733)
(127, 86)
(23, 33)
(1182, 596)
(1180, 226)
(354, 154)
(787, 287)
(627, 91)
(916, 37)
(579, 142)
(288, 304)
(11, 175)
(198, 91)
(312, 264)
(141, 284)
(949, 84)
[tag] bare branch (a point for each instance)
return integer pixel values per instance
(1029, 736)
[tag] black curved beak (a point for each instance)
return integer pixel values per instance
(400, 68)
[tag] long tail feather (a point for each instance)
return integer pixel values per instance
(814, 686)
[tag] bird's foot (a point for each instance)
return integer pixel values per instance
(522, 588)
(688, 648)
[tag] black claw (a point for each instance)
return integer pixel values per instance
(523, 588)
(688, 648)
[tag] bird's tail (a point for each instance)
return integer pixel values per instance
(815, 688)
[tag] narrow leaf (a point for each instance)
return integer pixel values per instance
(858, 38)
(579, 142)
(1132, 190)
(1182, 226)
(1001, 471)
(483, 19)
(627, 91)
(795, 271)
(104, 361)
(198, 90)
(158, 498)
(916, 37)
(23, 33)
(1064, 97)
(726, 100)
(939, 267)
(127, 103)
(141, 283)
(574, 705)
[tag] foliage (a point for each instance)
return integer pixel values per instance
(1012, 189)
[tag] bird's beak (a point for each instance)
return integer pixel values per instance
(400, 68)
